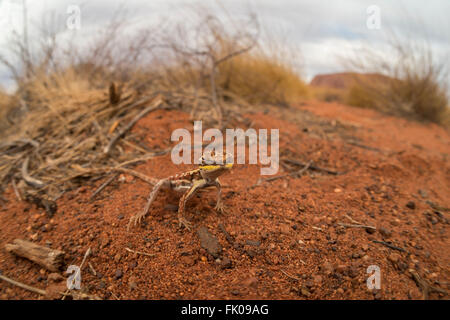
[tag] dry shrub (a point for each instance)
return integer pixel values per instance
(261, 78)
(328, 94)
(66, 117)
(411, 83)
(6, 106)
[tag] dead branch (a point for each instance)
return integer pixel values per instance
(289, 275)
(141, 253)
(296, 173)
(391, 246)
(104, 185)
(312, 166)
(50, 259)
(156, 103)
(73, 294)
(425, 286)
(35, 183)
(356, 226)
(23, 286)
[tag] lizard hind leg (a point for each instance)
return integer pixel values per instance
(138, 217)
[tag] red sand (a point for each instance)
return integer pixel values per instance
(288, 243)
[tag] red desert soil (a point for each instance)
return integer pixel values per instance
(285, 238)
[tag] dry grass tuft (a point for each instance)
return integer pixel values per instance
(260, 78)
(411, 82)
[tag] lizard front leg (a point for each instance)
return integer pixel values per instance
(164, 183)
(219, 205)
(197, 185)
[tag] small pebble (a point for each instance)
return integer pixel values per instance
(411, 205)
(55, 277)
(118, 274)
(385, 232)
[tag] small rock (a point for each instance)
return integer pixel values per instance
(120, 216)
(254, 243)
(117, 258)
(317, 279)
(394, 258)
(35, 237)
(340, 291)
(327, 267)
(132, 283)
(105, 242)
(250, 282)
(385, 232)
(411, 205)
(251, 253)
(337, 190)
(235, 292)
(353, 272)
(285, 229)
(102, 284)
(54, 290)
(341, 268)
(55, 277)
(226, 263)
(305, 292)
(423, 193)
(378, 295)
(356, 255)
(187, 261)
(209, 242)
(118, 274)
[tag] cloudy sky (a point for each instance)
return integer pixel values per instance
(321, 30)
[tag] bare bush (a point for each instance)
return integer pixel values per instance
(73, 100)
(409, 80)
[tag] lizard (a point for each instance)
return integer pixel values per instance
(189, 183)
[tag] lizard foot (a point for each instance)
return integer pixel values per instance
(220, 208)
(134, 220)
(182, 222)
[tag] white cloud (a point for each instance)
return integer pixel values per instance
(322, 29)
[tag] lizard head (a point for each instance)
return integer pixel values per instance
(212, 161)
